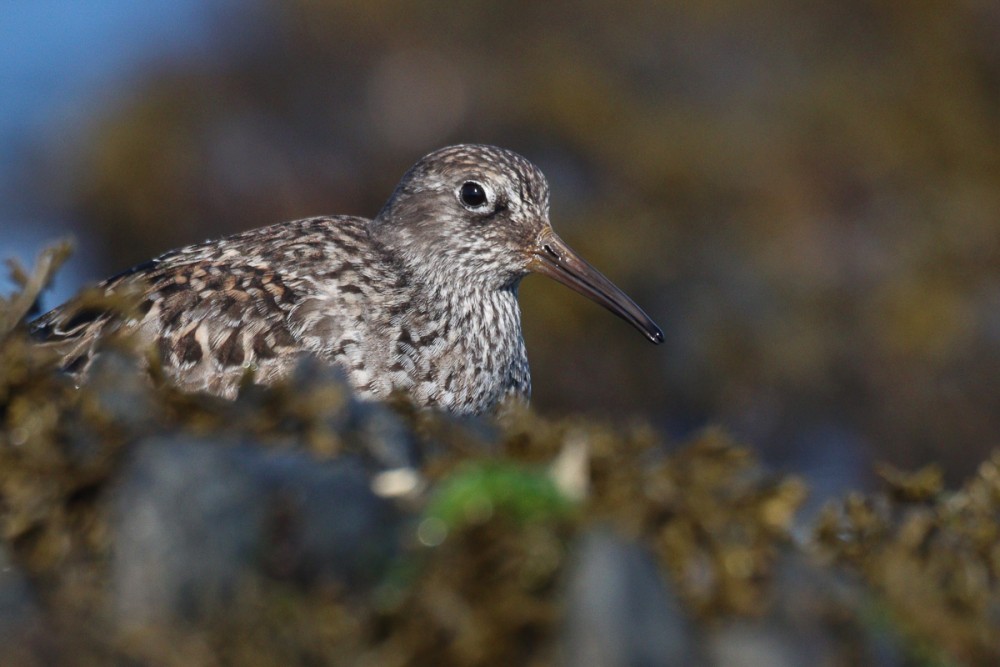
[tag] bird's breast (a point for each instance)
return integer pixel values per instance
(448, 347)
(464, 354)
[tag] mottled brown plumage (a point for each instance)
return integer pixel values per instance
(422, 299)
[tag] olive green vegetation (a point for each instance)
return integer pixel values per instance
(481, 577)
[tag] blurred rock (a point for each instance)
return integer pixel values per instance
(121, 387)
(620, 612)
(194, 522)
(21, 621)
(748, 644)
(381, 434)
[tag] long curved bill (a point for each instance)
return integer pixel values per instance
(553, 258)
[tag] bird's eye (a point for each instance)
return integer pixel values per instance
(472, 194)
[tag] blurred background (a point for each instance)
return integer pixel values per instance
(806, 199)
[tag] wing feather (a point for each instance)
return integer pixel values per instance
(213, 311)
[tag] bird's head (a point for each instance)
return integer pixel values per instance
(478, 216)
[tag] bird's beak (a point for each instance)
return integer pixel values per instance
(553, 258)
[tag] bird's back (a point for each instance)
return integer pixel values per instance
(215, 311)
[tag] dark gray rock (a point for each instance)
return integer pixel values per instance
(194, 521)
(620, 612)
(22, 626)
(755, 644)
(15, 593)
(378, 431)
(122, 388)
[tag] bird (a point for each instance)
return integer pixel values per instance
(420, 300)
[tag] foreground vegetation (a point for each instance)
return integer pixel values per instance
(144, 526)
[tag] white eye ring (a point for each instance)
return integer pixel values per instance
(474, 195)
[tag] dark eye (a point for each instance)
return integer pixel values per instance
(473, 194)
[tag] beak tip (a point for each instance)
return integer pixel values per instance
(655, 335)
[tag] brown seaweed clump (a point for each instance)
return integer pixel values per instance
(931, 557)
